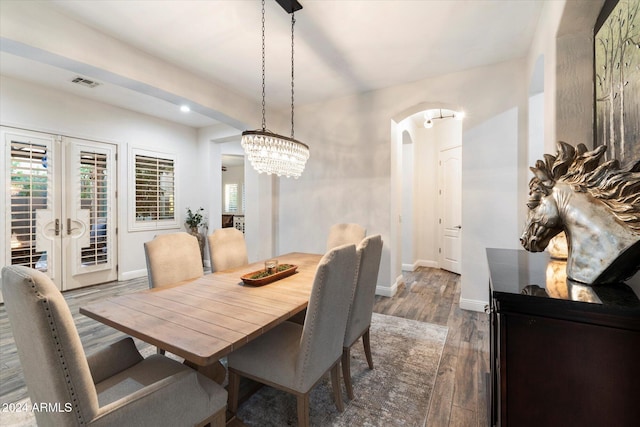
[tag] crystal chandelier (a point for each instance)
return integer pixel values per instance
(269, 152)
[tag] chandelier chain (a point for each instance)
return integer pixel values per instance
(269, 152)
(264, 116)
(293, 21)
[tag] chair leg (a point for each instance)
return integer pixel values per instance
(303, 410)
(346, 371)
(367, 348)
(335, 382)
(234, 390)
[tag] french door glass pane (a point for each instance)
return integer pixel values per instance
(29, 186)
(94, 197)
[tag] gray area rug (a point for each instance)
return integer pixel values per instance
(397, 392)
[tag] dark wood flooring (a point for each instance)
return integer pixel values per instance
(460, 396)
(428, 295)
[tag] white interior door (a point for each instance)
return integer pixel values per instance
(61, 195)
(450, 196)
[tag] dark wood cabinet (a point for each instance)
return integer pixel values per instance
(562, 354)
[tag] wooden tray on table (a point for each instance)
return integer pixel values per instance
(257, 278)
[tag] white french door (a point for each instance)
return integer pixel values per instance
(61, 204)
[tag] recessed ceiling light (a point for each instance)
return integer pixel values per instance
(185, 108)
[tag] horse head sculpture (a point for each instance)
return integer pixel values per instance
(597, 206)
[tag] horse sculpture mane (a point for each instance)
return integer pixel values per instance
(597, 205)
(618, 189)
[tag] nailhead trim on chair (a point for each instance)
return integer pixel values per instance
(45, 304)
(313, 311)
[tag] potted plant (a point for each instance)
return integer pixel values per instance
(194, 220)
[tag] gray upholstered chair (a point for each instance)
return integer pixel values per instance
(292, 357)
(344, 234)
(369, 252)
(115, 386)
(172, 258)
(227, 249)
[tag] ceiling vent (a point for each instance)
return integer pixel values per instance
(85, 82)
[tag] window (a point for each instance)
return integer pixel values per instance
(231, 198)
(154, 189)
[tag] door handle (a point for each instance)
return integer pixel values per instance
(57, 227)
(459, 227)
(69, 229)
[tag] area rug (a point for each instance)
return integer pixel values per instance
(397, 392)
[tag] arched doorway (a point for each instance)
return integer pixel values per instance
(426, 153)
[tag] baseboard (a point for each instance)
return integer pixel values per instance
(473, 304)
(127, 275)
(409, 267)
(420, 263)
(427, 263)
(389, 291)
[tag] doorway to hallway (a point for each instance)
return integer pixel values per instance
(429, 170)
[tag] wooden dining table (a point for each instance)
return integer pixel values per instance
(204, 319)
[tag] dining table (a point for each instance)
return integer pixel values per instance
(204, 319)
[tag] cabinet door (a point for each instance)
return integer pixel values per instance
(564, 373)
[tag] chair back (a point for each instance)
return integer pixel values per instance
(172, 258)
(344, 234)
(369, 253)
(49, 347)
(327, 312)
(227, 249)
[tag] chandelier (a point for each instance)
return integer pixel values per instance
(269, 152)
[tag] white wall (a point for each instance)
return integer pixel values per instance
(426, 187)
(536, 129)
(346, 178)
(565, 39)
(42, 109)
(408, 203)
(351, 175)
(544, 44)
(489, 201)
